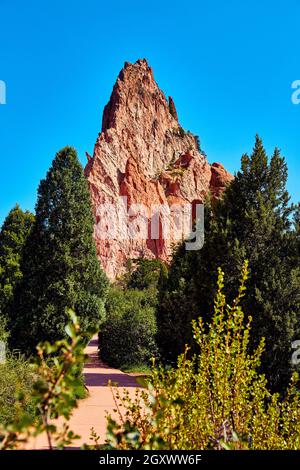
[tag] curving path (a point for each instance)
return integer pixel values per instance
(91, 412)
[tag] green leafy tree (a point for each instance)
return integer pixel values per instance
(60, 266)
(252, 221)
(148, 274)
(127, 338)
(13, 235)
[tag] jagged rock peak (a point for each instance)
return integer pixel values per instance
(135, 88)
(144, 154)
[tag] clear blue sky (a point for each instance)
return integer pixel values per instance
(229, 66)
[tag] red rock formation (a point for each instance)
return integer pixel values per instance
(143, 154)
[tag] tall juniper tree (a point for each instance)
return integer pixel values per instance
(252, 221)
(60, 266)
(13, 234)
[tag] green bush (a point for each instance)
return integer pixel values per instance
(215, 400)
(197, 142)
(172, 108)
(55, 387)
(147, 274)
(128, 335)
(181, 132)
(16, 379)
(3, 329)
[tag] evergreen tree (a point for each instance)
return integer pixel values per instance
(148, 274)
(13, 235)
(252, 222)
(60, 266)
(296, 240)
(172, 108)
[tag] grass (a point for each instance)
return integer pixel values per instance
(136, 369)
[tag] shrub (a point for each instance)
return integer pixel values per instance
(172, 108)
(197, 142)
(177, 172)
(128, 335)
(55, 390)
(3, 329)
(181, 132)
(16, 379)
(147, 274)
(216, 400)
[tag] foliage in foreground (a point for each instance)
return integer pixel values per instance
(55, 392)
(16, 378)
(217, 400)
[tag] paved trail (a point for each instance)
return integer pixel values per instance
(92, 410)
